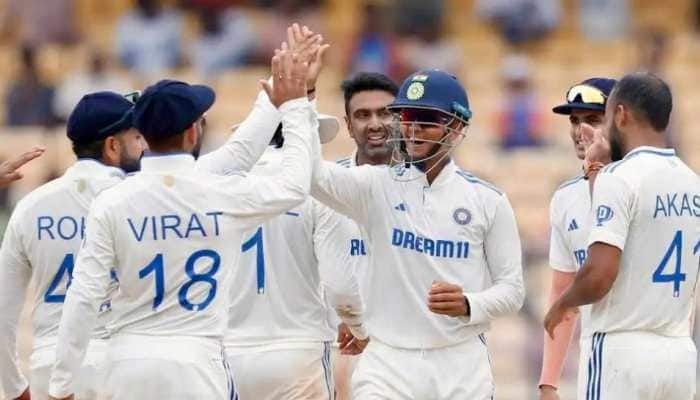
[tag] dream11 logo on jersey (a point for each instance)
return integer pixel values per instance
(603, 214)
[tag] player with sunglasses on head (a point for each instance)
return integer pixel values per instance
(43, 237)
(641, 270)
(443, 246)
(570, 225)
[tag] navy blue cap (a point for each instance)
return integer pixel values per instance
(99, 115)
(169, 107)
(605, 86)
(436, 90)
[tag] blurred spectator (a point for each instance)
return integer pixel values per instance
(226, 40)
(521, 21)
(273, 30)
(149, 38)
(98, 76)
(519, 120)
(429, 49)
(41, 22)
(603, 19)
(374, 50)
(652, 50)
(29, 100)
(417, 16)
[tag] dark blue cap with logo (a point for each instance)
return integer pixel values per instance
(169, 107)
(435, 90)
(577, 101)
(99, 115)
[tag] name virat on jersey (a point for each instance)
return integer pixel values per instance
(174, 226)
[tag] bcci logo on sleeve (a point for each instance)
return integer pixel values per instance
(462, 216)
(603, 214)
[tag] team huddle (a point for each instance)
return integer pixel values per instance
(261, 271)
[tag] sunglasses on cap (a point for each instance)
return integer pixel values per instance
(423, 116)
(588, 94)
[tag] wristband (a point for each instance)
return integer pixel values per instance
(591, 168)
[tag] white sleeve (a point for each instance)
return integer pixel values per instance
(613, 208)
(560, 253)
(243, 148)
(332, 233)
(504, 259)
(90, 283)
(259, 198)
(15, 273)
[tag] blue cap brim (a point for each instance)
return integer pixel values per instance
(567, 108)
(203, 99)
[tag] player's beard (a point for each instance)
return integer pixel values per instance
(616, 144)
(198, 147)
(128, 163)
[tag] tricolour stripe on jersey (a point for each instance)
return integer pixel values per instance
(326, 362)
(638, 152)
(569, 182)
(473, 179)
(595, 367)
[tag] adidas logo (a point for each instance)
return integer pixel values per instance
(573, 225)
(401, 207)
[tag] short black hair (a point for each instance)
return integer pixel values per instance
(89, 150)
(647, 95)
(365, 81)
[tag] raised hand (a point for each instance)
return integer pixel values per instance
(596, 145)
(288, 77)
(311, 49)
(9, 169)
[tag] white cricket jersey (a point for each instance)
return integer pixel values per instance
(648, 206)
(570, 225)
(276, 292)
(39, 248)
(172, 234)
(459, 229)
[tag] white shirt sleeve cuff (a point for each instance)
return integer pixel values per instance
(293, 104)
(607, 238)
(476, 313)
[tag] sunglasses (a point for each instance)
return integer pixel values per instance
(423, 116)
(588, 94)
(132, 97)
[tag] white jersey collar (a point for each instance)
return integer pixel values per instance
(167, 162)
(651, 149)
(89, 167)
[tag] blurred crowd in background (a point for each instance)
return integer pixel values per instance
(516, 57)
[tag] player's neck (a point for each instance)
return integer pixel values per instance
(434, 167)
(647, 137)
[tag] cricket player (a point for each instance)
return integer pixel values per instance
(172, 235)
(569, 223)
(9, 168)
(366, 95)
(444, 252)
(278, 341)
(643, 257)
(43, 237)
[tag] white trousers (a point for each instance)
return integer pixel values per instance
(638, 366)
(273, 373)
(458, 372)
(89, 381)
(175, 368)
(343, 368)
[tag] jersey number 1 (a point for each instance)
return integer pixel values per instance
(257, 241)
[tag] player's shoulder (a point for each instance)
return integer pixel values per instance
(570, 185)
(478, 184)
(117, 193)
(639, 160)
(44, 193)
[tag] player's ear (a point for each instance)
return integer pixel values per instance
(111, 149)
(190, 137)
(621, 115)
